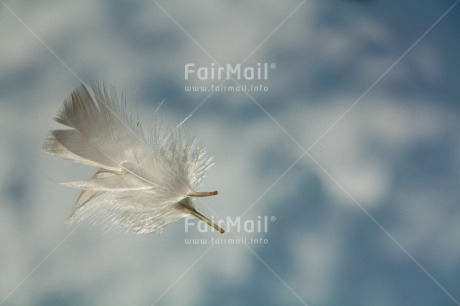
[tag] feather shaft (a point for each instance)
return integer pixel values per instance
(195, 213)
(202, 194)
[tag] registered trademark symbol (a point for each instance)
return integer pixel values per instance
(273, 218)
(273, 66)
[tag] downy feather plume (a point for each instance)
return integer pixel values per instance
(143, 183)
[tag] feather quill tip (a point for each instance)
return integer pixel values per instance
(202, 194)
(198, 215)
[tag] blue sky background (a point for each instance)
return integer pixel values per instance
(354, 149)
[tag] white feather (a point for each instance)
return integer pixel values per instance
(143, 182)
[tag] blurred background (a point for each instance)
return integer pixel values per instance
(352, 151)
